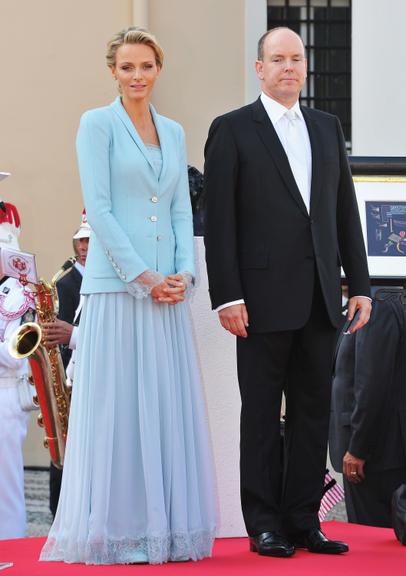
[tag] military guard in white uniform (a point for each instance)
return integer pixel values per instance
(16, 307)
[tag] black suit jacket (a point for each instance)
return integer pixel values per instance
(68, 288)
(261, 243)
(368, 407)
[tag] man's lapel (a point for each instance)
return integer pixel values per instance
(272, 143)
(316, 142)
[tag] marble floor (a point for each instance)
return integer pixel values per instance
(39, 518)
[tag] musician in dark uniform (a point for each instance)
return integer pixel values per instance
(64, 330)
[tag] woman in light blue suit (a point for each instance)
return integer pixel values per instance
(138, 479)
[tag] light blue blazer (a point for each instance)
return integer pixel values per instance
(140, 221)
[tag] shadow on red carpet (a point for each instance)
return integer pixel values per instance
(373, 551)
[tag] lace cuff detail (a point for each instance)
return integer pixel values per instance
(189, 280)
(142, 285)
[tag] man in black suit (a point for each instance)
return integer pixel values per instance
(368, 411)
(281, 217)
(63, 332)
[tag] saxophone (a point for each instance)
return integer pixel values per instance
(47, 372)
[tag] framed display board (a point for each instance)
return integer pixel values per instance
(380, 186)
(382, 208)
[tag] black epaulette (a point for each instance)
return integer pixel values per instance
(67, 267)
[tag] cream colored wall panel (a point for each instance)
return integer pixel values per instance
(203, 73)
(52, 61)
(255, 25)
(140, 13)
(53, 68)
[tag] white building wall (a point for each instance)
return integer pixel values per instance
(378, 77)
(218, 364)
(255, 20)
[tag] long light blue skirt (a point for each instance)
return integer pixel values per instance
(138, 479)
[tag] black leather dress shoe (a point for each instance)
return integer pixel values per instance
(315, 541)
(271, 544)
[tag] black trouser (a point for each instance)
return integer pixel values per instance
(298, 362)
(55, 479)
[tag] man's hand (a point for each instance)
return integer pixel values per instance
(235, 319)
(58, 332)
(353, 468)
(364, 306)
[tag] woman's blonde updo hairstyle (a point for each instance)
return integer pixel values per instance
(133, 35)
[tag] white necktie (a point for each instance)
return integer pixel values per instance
(296, 151)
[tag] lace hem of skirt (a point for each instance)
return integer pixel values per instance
(149, 549)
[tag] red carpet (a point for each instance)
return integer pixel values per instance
(373, 551)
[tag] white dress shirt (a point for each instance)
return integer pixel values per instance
(79, 267)
(291, 129)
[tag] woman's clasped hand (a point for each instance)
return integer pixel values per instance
(171, 290)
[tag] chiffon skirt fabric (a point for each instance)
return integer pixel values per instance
(138, 479)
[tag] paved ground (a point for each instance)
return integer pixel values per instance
(39, 518)
(37, 502)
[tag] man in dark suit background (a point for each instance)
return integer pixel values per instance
(368, 411)
(281, 217)
(63, 332)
